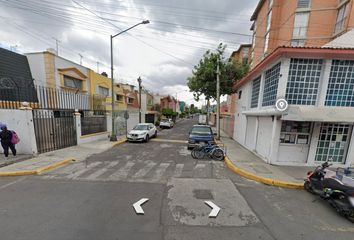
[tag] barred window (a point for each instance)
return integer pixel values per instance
(303, 81)
(255, 92)
(303, 3)
(271, 85)
(340, 90)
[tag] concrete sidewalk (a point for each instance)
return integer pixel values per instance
(249, 165)
(11, 159)
(57, 158)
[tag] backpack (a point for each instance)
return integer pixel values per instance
(15, 139)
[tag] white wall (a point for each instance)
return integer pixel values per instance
(240, 119)
(36, 63)
(265, 127)
(133, 120)
(21, 122)
(251, 133)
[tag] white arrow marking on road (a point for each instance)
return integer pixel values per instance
(215, 209)
(137, 206)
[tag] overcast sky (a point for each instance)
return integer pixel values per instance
(163, 52)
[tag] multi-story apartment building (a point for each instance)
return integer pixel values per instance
(318, 84)
(298, 23)
(243, 53)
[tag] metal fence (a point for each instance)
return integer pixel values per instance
(50, 98)
(93, 122)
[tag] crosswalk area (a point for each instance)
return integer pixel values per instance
(132, 170)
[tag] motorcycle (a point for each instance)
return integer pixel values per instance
(332, 189)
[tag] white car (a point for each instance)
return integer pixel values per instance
(142, 132)
(166, 123)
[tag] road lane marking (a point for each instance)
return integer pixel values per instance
(101, 171)
(11, 183)
(144, 170)
(122, 172)
(199, 166)
(168, 140)
(160, 170)
(65, 170)
(178, 170)
(76, 174)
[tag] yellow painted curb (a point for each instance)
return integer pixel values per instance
(38, 170)
(120, 142)
(268, 181)
(55, 165)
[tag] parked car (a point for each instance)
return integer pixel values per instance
(200, 134)
(166, 123)
(142, 132)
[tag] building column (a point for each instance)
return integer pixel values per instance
(349, 161)
(274, 144)
(283, 78)
(30, 133)
(323, 84)
(77, 117)
(313, 143)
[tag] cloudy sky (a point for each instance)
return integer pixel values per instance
(163, 52)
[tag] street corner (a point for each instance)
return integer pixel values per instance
(193, 208)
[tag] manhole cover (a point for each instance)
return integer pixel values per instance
(202, 194)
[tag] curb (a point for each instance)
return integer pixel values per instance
(38, 170)
(267, 181)
(119, 142)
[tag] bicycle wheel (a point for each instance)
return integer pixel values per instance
(199, 154)
(195, 149)
(218, 154)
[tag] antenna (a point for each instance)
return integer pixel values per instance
(80, 58)
(57, 45)
(98, 67)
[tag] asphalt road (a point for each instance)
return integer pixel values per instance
(93, 200)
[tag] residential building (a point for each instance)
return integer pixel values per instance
(166, 102)
(242, 54)
(298, 23)
(318, 85)
(16, 82)
(131, 97)
(61, 83)
(101, 90)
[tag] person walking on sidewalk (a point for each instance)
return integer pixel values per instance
(6, 141)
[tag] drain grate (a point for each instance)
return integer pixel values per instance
(203, 194)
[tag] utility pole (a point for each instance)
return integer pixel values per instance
(80, 58)
(218, 100)
(139, 81)
(113, 137)
(57, 45)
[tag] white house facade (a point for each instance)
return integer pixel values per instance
(318, 84)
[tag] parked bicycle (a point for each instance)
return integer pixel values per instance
(209, 150)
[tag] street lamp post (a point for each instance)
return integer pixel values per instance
(139, 81)
(113, 134)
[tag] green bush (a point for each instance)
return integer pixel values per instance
(157, 123)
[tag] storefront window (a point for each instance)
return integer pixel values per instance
(295, 132)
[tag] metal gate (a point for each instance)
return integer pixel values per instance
(54, 129)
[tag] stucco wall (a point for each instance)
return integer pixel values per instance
(21, 122)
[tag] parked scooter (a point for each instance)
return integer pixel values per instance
(332, 189)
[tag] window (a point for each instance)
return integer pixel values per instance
(130, 100)
(333, 142)
(303, 3)
(300, 25)
(71, 82)
(341, 17)
(266, 42)
(255, 92)
(297, 42)
(239, 94)
(295, 132)
(269, 18)
(271, 85)
(340, 91)
(119, 98)
(303, 81)
(103, 91)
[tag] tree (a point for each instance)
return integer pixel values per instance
(203, 79)
(168, 112)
